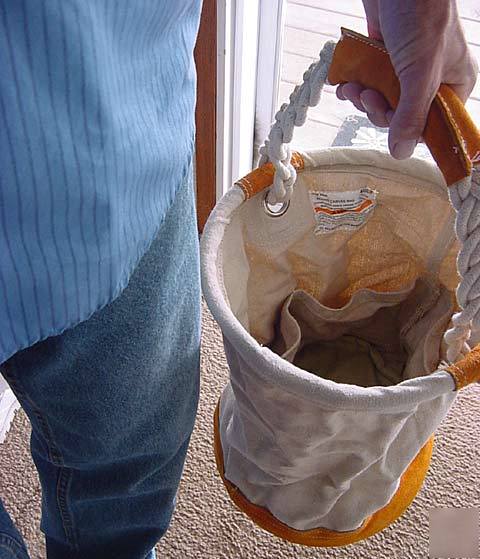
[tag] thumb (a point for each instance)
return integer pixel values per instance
(410, 116)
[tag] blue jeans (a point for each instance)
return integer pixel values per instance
(112, 404)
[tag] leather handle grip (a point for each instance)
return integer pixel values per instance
(450, 134)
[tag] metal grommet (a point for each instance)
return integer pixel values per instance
(275, 210)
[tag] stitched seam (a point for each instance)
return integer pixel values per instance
(64, 475)
(447, 110)
(368, 43)
(242, 186)
(245, 186)
(463, 378)
(13, 546)
(11, 552)
(465, 159)
(64, 480)
(454, 374)
(52, 448)
(248, 186)
(458, 375)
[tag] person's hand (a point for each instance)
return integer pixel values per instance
(427, 47)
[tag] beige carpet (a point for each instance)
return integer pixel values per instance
(206, 526)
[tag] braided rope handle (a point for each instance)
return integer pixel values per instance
(464, 196)
(277, 147)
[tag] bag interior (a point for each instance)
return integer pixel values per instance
(377, 339)
(366, 305)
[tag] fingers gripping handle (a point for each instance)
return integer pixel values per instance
(450, 134)
(277, 147)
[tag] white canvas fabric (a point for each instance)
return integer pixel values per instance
(312, 430)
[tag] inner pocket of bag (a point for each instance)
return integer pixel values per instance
(377, 339)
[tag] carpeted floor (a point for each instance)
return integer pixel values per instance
(206, 526)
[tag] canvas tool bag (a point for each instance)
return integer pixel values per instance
(347, 288)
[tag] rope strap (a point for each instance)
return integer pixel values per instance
(277, 147)
(465, 198)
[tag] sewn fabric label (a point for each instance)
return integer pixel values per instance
(342, 210)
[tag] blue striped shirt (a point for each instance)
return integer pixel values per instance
(96, 134)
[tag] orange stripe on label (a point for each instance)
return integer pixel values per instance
(363, 206)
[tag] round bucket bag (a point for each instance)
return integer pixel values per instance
(346, 285)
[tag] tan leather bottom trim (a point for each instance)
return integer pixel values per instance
(410, 484)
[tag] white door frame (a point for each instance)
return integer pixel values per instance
(248, 61)
(225, 45)
(269, 60)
